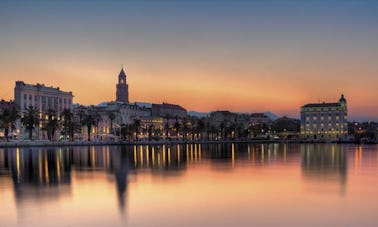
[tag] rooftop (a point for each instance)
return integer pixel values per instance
(39, 86)
(322, 104)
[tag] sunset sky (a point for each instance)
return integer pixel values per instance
(245, 56)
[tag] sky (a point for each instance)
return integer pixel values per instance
(243, 56)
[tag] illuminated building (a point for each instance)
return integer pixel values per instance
(41, 97)
(324, 121)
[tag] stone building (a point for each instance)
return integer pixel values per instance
(41, 97)
(259, 119)
(122, 93)
(325, 121)
(166, 110)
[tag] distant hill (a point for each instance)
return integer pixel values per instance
(197, 114)
(271, 115)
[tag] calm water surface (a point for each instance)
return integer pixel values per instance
(190, 185)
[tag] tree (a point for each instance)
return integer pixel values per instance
(185, 128)
(8, 120)
(80, 115)
(214, 130)
(124, 130)
(111, 116)
(89, 121)
(52, 124)
(200, 127)
(177, 128)
(97, 119)
(166, 129)
(30, 120)
(151, 129)
(70, 124)
(286, 124)
(136, 126)
(222, 128)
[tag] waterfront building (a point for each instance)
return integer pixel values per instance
(6, 105)
(122, 93)
(325, 121)
(122, 114)
(259, 119)
(166, 110)
(222, 117)
(41, 97)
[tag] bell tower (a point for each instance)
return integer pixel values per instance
(122, 94)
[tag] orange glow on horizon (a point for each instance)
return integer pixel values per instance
(196, 90)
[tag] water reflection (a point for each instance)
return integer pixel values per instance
(38, 173)
(325, 164)
(45, 174)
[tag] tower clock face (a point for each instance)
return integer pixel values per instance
(122, 81)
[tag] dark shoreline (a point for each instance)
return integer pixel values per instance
(162, 142)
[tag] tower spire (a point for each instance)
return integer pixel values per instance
(122, 93)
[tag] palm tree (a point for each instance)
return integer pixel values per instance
(177, 128)
(70, 124)
(111, 116)
(200, 127)
(89, 121)
(52, 124)
(151, 128)
(185, 128)
(31, 120)
(8, 120)
(80, 115)
(136, 126)
(208, 129)
(166, 129)
(124, 130)
(97, 118)
(222, 128)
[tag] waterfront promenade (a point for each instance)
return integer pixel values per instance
(46, 143)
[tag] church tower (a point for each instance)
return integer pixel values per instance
(122, 94)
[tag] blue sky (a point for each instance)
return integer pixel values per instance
(243, 52)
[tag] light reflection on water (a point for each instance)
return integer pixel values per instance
(190, 185)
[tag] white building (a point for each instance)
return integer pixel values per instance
(41, 97)
(324, 121)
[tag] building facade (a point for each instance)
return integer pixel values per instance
(259, 119)
(44, 99)
(41, 97)
(325, 121)
(166, 110)
(122, 93)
